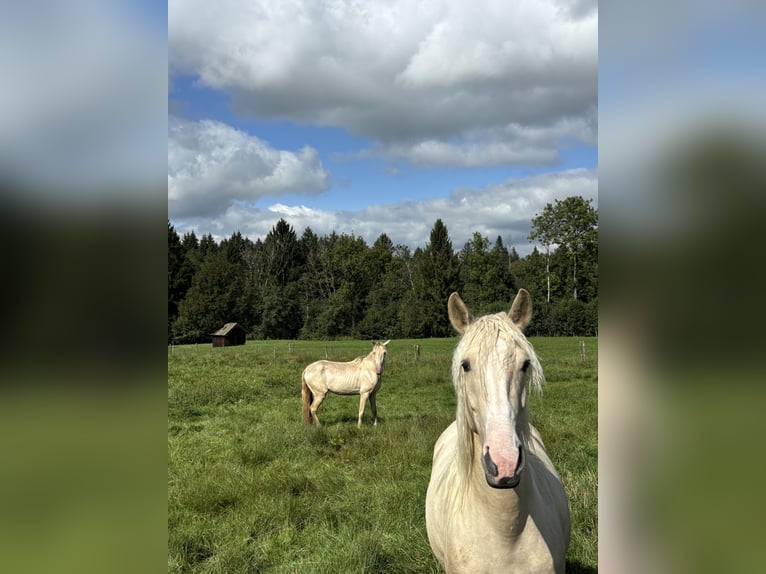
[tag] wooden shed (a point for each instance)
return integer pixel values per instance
(229, 335)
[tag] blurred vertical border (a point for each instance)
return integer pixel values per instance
(682, 199)
(83, 218)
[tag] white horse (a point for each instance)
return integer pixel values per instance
(495, 502)
(362, 377)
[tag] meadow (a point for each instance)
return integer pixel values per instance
(253, 489)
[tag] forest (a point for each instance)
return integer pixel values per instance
(337, 286)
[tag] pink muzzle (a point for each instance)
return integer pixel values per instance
(502, 469)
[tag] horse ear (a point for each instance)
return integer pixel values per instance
(521, 309)
(459, 315)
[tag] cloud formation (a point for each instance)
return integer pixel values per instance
(434, 82)
(211, 165)
(504, 209)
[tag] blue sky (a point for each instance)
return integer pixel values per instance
(379, 118)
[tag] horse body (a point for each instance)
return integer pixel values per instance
(495, 501)
(361, 376)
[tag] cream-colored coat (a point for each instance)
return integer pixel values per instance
(474, 527)
(362, 377)
(482, 529)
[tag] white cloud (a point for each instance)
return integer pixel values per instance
(434, 153)
(211, 165)
(497, 41)
(513, 144)
(505, 209)
(412, 77)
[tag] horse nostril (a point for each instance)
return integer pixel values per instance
(508, 481)
(489, 465)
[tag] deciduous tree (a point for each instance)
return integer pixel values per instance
(572, 225)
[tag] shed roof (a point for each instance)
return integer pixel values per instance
(226, 329)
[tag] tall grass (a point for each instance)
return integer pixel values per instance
(252, 489)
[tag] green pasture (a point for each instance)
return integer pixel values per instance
(253, 489)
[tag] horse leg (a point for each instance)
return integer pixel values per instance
(374, 409)
(318, 398)
(362, 402)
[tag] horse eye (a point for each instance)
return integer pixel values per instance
(525, 366)
(466, 365)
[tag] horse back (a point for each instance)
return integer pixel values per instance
(339, 378)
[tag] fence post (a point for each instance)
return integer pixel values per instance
(326, 356)
(417, 352)
(582, 351)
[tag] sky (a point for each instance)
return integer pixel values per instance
(370, 118)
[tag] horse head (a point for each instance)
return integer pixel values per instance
(379, 353)
(490, 369)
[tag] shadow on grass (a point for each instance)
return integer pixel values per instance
(576, 567)
(331, 421)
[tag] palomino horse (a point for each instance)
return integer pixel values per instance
(495, 502)
(358, 377)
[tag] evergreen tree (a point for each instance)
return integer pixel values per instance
(500, 249)
(337, 286)
(207, 245)
(189, 265)
(211, 300)
(473, 270)
(499, 283)
(386, 291)
(486, 275)
(437, 275)
(283, 255)
(219, 292)
(175, 290)
(282, 267)
(309, 282)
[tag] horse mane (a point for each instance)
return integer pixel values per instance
(483, 333)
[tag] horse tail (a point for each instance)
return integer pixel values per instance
(307, 396)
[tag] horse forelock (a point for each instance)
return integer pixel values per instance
(481, 337)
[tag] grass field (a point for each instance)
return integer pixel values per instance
(252, 489)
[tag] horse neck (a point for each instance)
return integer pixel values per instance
(506, 508)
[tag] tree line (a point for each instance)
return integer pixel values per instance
(332, 286)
